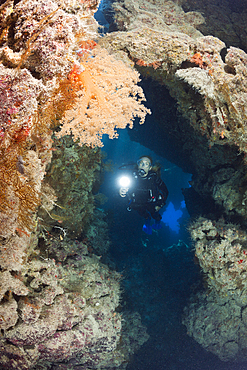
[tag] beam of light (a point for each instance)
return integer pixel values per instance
(124, 181)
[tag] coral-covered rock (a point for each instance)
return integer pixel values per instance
(79, 168)
(11, 284)
(56, 305)
(30, 309)
(97, 233)
(214, 318)
(26, 334)
(221, 251)
(175, 60)
(134, 333)
(216, 323)
(167, 16)
(43, 37)
(8, 314)
(19, 93)
(12, 357)
(229, 27)
(69, 313)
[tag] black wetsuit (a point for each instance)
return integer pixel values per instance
(146, 193)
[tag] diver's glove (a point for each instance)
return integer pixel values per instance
(147, 228)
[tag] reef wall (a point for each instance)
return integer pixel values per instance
(59, 92)
(216, 318)
(230, 26)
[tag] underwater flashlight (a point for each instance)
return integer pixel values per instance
(124, 181)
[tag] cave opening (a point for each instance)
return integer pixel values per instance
(81, 275)
(159, 270)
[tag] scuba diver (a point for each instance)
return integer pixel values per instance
(146, 191)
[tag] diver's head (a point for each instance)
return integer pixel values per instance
(144, 165)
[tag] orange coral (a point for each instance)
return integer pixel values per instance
(16, 194)
(108, 98)
(86, 46)
(141, 63)
(156, 64)
(197, 59)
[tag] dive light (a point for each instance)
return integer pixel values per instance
(124, 181)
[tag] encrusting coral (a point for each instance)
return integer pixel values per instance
(68, 313)
(220, 249)
(19, 93)
(59, 305)
(191, 65)
(195, 75)
(217, 318)
(166, 16)
(73, 172)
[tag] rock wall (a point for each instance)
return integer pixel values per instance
(223, 19)
(59, 305)
(217, 318)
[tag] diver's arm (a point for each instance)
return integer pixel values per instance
(162, 187)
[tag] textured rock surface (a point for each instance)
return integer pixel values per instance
(221, 250)
(230, 27)
(216, 318)
(218, 325)
(196, 76)
(59, 305)
(166, 16)
(68, 313)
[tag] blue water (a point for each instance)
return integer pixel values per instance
(171, 216)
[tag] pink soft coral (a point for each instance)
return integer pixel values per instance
(109, 98)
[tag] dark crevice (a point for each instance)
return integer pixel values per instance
(223, 54)
(230, 70)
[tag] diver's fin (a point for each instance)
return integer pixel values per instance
(147, 228)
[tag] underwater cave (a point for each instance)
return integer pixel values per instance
(161, 272)
(82, 284)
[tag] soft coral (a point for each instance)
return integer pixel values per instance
(108, 98)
